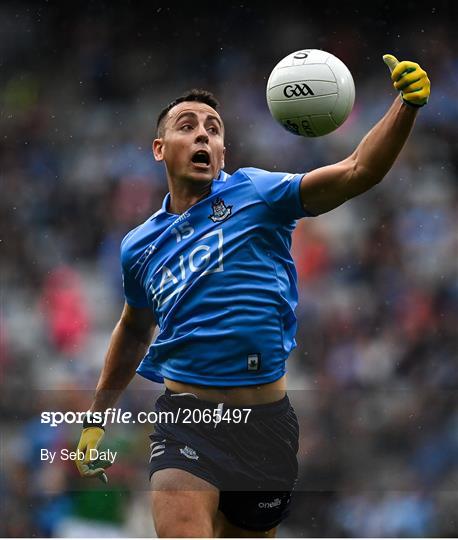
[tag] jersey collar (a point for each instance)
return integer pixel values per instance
(165, 203)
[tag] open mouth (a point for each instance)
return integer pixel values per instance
(201, 157)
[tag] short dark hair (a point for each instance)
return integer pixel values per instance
(196, 94)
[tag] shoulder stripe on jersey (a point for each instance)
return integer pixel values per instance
(287, 177)
(157, 213)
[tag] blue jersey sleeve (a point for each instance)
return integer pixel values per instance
(280, 191)
(133, 291)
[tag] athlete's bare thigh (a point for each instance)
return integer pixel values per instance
(183, 505)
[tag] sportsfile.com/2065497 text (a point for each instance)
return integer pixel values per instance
(114, 415)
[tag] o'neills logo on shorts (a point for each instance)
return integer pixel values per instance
(273, 504)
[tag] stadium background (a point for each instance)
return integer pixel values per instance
(375, 374)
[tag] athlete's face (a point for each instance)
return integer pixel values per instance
(192, 144)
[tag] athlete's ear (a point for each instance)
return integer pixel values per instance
(158, 146)
(222, 159)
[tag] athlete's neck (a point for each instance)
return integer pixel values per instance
(183, 195)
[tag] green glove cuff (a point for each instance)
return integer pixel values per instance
(414, 105)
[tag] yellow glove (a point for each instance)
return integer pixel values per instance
(410, 79)
(90, 438)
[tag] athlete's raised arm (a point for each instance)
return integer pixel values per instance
(129, 342)
(328, 187)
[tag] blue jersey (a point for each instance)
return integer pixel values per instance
(220, 280)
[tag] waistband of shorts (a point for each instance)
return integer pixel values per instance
(264, 410)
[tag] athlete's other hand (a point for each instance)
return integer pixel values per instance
(90, 438)
(410, 79)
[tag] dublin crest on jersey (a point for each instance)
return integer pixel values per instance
(220, 210)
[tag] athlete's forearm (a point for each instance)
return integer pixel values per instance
(125, 351)
(328, 187)
(378, 150)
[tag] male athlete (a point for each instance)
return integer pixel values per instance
(212, 269)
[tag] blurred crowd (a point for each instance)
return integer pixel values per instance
(374, 378)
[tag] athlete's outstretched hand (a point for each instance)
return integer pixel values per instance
(91, 437)
(410, 79)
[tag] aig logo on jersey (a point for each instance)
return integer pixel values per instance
(202, 257)
(220, 210)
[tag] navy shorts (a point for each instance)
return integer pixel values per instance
(252, 462)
